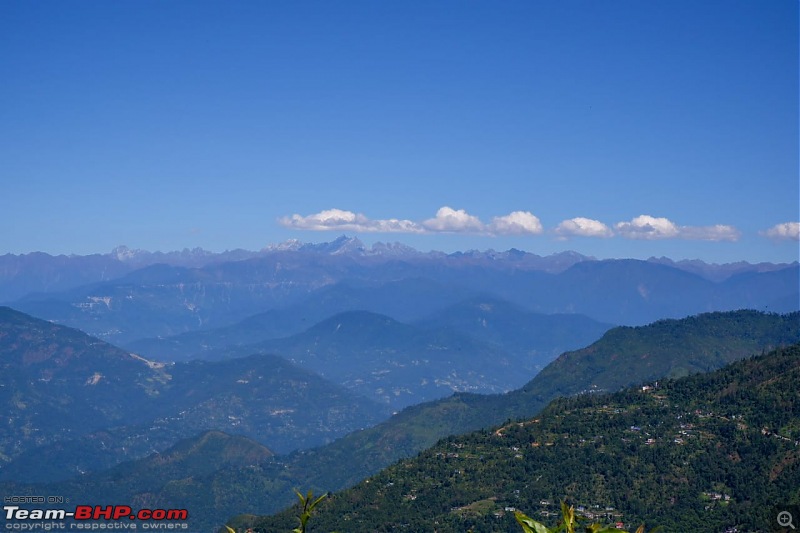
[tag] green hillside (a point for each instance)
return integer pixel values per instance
(667, 348)
(707, 452)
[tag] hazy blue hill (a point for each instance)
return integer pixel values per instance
(158, 300)
(205, 344)
(705, 453)
(534, 338)
(775, 291)
(641, 292)
(164, 300)
(397, 363)
(405, 298)
(40, 272)
(785, 304)
(75, 403)
(720, 272)
(632, 292)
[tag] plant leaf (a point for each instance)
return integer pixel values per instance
(529, 525)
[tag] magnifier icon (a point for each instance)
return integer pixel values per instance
(785, 519)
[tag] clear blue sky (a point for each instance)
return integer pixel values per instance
(614, 128)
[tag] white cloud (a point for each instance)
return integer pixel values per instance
(718, 232)
(784, 231)
(394, 225)
(339, 220)
(455, 221)
(647, 227)
(583, 227)
(516, 223)
(447, 220)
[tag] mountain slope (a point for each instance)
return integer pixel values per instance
(75, 403)
(704, 343)
(268, 486)
(192, 457)
(135, 481)
(667, 348)
(397, 363)
(708, 452)
(56, 383)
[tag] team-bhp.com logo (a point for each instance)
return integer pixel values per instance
(94, 517)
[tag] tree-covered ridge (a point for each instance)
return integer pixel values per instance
(666, 348)
(701, 453)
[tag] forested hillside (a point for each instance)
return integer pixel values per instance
(709, 452)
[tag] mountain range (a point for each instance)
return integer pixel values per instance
(481, 345)
(40, 272)
(198, 291)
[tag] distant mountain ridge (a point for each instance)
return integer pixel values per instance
(165, 300)
(39, 272)
(718, 272)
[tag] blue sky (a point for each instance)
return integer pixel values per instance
(616, 129)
